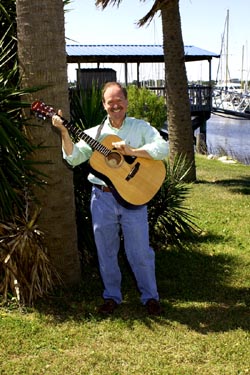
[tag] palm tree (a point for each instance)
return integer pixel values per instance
(42, 62)
(179, 119)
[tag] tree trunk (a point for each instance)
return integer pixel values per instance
(42, 61)
(178, 106)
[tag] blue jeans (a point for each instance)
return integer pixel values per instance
(108, 217)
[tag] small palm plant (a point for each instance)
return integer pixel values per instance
(170, 221)
(86, 106)
(26, 271)
(15, 169)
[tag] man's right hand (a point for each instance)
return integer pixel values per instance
(58, 122)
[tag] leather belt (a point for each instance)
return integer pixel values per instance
(106, 189)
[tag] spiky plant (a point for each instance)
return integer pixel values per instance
(86, 106)
(25, 268)
(15, 169)
(170, 221)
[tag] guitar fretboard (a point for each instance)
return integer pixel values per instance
(44, 111)
(93, 143)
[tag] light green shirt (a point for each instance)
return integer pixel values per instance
(136, 133)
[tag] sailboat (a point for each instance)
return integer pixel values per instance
(229, 97)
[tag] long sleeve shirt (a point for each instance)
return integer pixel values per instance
(136, 133)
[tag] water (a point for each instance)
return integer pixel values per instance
(231, 135)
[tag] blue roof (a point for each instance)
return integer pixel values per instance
(130, 53)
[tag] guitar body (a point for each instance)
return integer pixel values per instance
(136, 180)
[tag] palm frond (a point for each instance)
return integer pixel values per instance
(170, 220)
(25, 268)
(150, 15)
(104, 3)
(86, 107)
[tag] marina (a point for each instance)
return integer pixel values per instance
(229, 96)
(229, 135)
(232, 102)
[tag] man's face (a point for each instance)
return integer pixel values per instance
(115, 104)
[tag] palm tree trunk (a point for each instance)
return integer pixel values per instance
(42, 60)
(179, 117)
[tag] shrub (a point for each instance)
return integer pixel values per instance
(146, 105)
(170, 221)
(25, 271)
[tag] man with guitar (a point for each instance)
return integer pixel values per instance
(137, 140)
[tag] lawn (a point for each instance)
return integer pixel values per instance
(205, 293)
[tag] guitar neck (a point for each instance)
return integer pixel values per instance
(93, 143)
(44, 111)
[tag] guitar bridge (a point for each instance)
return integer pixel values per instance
(133, 171)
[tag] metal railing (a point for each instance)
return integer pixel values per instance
(200, 97)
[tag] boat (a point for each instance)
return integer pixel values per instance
(230, 97)
(231, 102)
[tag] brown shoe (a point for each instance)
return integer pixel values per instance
(153, 307)
(108, 307)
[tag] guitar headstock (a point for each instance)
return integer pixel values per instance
(42, 110)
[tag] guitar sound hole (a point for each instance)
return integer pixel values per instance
(114, 159)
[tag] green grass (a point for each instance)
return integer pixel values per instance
(205, 292)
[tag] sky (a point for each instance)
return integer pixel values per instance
(202, 21)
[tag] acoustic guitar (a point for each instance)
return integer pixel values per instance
(136, 180)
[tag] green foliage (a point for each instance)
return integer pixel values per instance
(146, 105)
(16, 171)
(86, 107)
(170, 221)
(7, 11)
(13, 144)
(26, 271)
(8, 43)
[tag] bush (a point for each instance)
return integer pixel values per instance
(146, 105)
(170, 221)
(25, 268)
(86, 107)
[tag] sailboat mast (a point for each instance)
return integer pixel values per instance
(227, 38)
(242, 68)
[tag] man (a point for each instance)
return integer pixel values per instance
(109, 216)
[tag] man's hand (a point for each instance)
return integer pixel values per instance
(58, 122)
(127, 150)
(123, 148)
